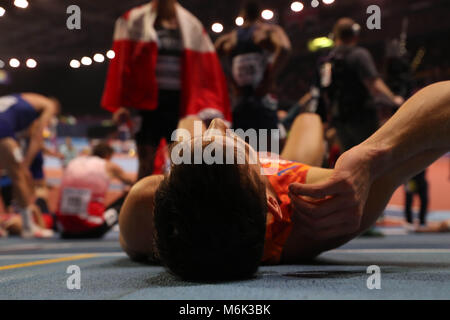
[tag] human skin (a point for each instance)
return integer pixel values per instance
(352, 196)
(365, 177)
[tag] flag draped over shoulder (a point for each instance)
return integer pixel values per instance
(131, 80)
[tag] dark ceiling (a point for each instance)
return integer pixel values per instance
(40, 30)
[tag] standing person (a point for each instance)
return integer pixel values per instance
(166, 68)
(417, 185)
(349, 81)
(82, 212)
(258, 51)
(18, 112)
(68, 151)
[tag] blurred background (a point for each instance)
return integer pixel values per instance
(39, 32)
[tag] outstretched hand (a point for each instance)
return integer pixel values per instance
(334, 208)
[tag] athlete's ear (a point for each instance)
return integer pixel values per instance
(273, 206)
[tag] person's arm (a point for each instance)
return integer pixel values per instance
(117, 172)
(411, 140)
(52, 153)
(283, 49)
(376, 87)
(226, 43)
(369, 74)
(47, 107)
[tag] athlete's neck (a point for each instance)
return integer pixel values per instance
(165, 9)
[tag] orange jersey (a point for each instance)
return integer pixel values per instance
(282, 174)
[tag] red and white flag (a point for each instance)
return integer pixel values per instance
(131, 80)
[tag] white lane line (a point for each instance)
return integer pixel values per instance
(391, 251)
(66, 245)
(60, 255)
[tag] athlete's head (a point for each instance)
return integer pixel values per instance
(346, 31)
(251, 11)
(103, 150)
(210, 219)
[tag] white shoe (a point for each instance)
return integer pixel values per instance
(3, 233)
(409, 227)
(37, 232)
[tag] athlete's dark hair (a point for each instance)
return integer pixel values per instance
(346, 29)
(252, 10)
(210, 222)
(102, 150)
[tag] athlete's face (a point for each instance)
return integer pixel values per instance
(218, 131)
(224, 139)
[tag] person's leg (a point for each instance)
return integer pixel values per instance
(111, 216)
(422, 186)
(408, 206)
(146, 157)
(11, 161)
(305, 143)
(147, 142)
(7, 196)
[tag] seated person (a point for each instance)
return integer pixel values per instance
(218, 222)
(18, 113)
(82, 212)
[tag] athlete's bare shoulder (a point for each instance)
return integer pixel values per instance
(146, 188)
(136, 219)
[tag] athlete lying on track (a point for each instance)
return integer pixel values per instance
(216, 222)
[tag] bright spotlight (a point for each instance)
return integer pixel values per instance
(111, 54)
(75, 64)
(21, 3)
(31, 63)
(86, 61)
(328, 1)
(14, 63)
(239, 21)
(98, 57)
(297, 6)
(267, 14)
(2, 11)
(217, 27)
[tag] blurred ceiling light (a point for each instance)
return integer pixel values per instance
(98, 57)
(21, 3)
(111, 54)
(14, 63)
(217, 27)
(239, 21)
(297, 6)
(267, 14)
(2, 11)
(75, 64)
(31, 63)
(86, 61)
(328, 1)
(2, 64)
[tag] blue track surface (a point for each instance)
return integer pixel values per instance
(412, 267)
